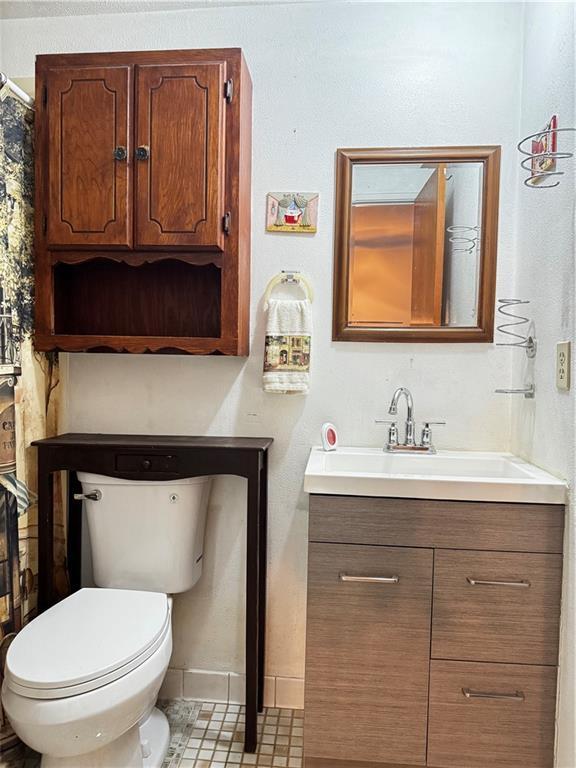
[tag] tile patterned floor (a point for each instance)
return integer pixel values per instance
(218, 735)
(182, 716)
(212, 736)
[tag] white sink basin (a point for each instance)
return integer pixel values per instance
(458, 475)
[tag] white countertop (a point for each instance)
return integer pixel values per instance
(450, 475)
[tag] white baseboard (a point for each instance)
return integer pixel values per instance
(228, 687)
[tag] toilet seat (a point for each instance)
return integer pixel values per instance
(86, 641)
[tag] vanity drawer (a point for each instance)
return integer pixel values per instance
(500, 715)
(434, 523)
(139, 462)
(495, 606)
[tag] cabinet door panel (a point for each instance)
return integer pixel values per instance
(497, 606)
(180, 174)
(367, 657)
(88, 187)
(497, 715)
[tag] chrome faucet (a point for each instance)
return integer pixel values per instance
(409, 445)
(393, 411)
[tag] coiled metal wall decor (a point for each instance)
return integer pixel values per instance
(539, 177)
(508, 308)
(463, 239)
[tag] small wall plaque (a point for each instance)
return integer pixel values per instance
(292, 212)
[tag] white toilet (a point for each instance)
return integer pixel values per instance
(82, 679)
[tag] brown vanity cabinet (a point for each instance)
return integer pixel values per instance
(143, 202)
(432, 633)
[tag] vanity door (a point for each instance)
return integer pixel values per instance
(367, 657)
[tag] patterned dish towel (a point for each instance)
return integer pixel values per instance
(287, 351)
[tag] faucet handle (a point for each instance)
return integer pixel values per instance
(426, 439)
(392, 432)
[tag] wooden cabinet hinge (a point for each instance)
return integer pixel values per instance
(226, 223)
(229, 90)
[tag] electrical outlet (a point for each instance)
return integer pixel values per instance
(563, 365)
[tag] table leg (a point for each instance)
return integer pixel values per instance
(45, 535)
(252, 611)
(263, 558)
(74, 533)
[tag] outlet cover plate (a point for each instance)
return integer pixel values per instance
(563, 365)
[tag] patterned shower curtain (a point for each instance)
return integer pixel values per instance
(28, 389)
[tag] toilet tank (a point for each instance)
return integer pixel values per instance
(146, 535)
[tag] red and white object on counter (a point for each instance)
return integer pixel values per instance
(329, 437)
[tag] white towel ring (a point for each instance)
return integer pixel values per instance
(288, 277)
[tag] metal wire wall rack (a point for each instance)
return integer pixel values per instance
(538, 177)
(511, 326)
(463, 238)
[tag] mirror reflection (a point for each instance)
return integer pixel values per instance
(415, 244)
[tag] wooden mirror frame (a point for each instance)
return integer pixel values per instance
(489, 156)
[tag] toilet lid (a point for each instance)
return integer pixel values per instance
(85, 641)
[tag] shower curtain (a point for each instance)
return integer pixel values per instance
(28, 389)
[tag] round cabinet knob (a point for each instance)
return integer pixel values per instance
(146, 464)
(120, 153)
(142, 153)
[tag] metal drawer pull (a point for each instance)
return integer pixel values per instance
(481, 583)
(370, 579)
(517, 696)
(91, 496)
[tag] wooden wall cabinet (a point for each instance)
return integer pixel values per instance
(432, 633)
(143, 202)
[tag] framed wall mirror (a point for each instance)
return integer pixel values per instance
(415, 244)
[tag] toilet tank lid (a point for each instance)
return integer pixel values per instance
(86, 636)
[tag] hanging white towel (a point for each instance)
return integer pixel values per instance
(287, 350)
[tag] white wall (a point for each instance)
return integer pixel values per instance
(544, 428)
(324, 77)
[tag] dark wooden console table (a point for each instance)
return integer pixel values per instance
(163, 457)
